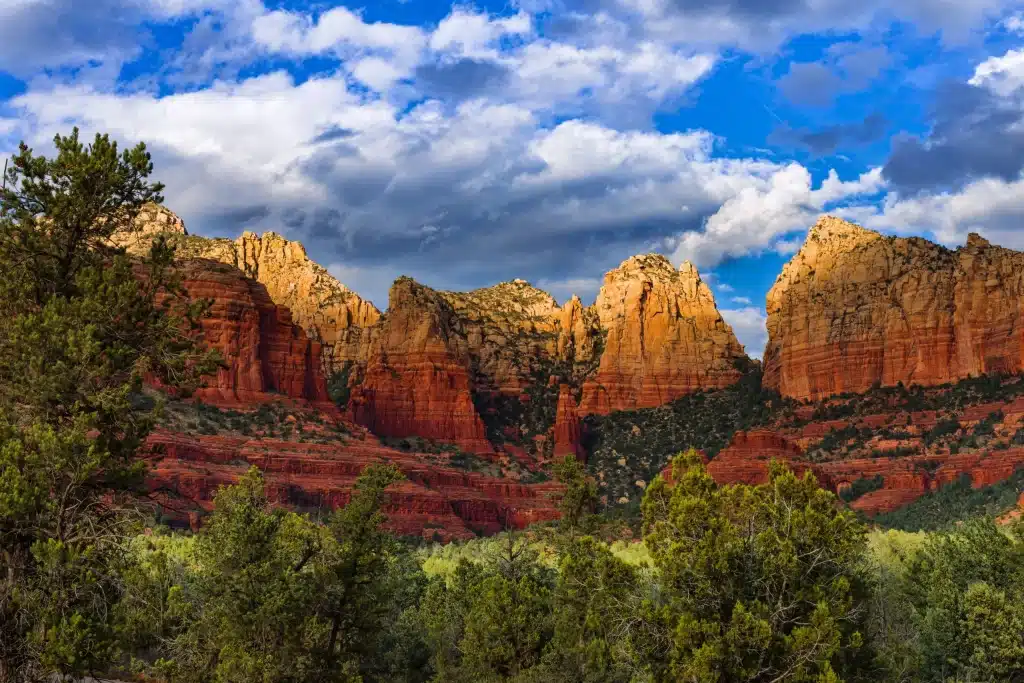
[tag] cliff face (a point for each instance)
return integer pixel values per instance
(417, 378)
(854, 308)
(263, 351)
(665, 338)
(329, 312)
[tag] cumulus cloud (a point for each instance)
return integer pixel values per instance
(482, 138)
(763, 24)
(770, 206)
(37, 34)
(748, 323)
(977, 131)
(992, 207)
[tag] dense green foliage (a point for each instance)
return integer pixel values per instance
(264, 594)
(80, 326)
(636, 444)
(950, 606)
(338, 384)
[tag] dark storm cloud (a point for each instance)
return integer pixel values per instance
(333, 134)
(830, 138)
(460, 79)
(974, 134)
(753, 9)
(236, 220)
(848, 68)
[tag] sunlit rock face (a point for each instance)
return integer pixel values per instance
(854, 308)
(664, 338)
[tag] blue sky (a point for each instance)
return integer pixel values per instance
(465, 144)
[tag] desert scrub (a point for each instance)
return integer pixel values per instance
(635, 445)
(862, 486)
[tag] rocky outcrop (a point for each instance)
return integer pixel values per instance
(568, 434)
(262, 350)
(747, 458)
(665, 338)
(327, 310)
(417, 380)
(438, 361)
(434, 501)
(854, 309)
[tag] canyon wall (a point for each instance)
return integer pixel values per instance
(263, 352)
(854, 309)
(329, 312)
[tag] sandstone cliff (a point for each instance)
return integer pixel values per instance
(417, 380)
(327, 310)
(665, 338)
(854, 309)
(488, 366)
(262, 350)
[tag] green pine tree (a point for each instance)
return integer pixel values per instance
(81, 326)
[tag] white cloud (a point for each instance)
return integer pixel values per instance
(749, 324)
(333, 31)
(741, 300)
(771, 205)
(473, 34)
(724, 287)
(1013, 23)
(991, 207)
(1002, 75)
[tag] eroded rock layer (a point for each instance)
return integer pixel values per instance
(329, 312)
(854, 309)
(665, 338)
(485, 368)
(417, 380)
(263, 352)
(436, 500)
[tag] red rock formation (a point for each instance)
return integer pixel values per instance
(417, 380)
(262, 350)
(329, 312)
(853, 309)
(567, 425)
(187, 471)
(665, 338)
(747, 457)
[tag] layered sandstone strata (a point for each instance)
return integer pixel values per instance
(665, 338)
(439, 360)
(327, 310)
(434, 499)
(417, 380)
(747, 458)
(263, 352)
(854, 309)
